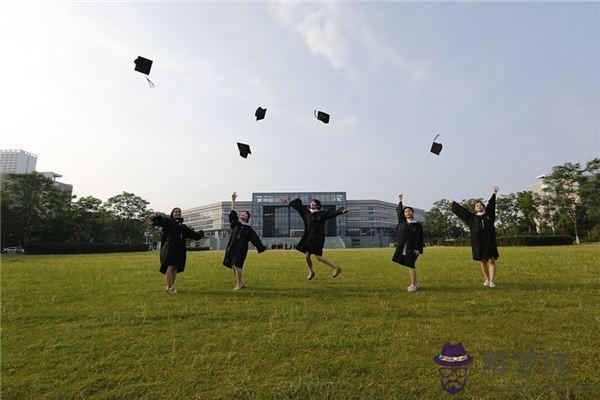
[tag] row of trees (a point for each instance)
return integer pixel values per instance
(569, 204)
(33, 209)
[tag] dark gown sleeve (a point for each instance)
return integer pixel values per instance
(400, 213)
(462, 213)
(158, 220)
(490, 209)
(256, 241)
(296, 204)
(233, 219)
(333, 214)
(192, 234)
(419, 244)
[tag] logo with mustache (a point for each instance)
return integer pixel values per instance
(453, 361)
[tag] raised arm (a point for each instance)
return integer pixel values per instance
(400, 209)
(156, 220)
(233, 219)
(297, 205)
(490, 209)
(255, 240)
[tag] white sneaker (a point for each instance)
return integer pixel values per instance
(486, 283)
(171, 290)
(412, 288)
(492, 284)
(237, 288)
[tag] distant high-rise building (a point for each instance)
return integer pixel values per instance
(14, 161)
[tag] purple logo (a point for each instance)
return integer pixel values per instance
(453, 361)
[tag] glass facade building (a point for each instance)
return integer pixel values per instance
(369, 223)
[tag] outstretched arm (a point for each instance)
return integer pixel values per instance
(192, 234)
(157, 220)
(296, 204)
(335, 213)
(255, 240)
(233, 219)
(462, 212)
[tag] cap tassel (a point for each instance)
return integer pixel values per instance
(150, 83)
(436, 136)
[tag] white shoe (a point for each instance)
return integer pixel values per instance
(171, 290)
(237, 288)
(412, 288)
(486, 283)
(492, 284)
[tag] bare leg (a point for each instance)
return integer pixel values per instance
(336, 270)
(492, 268)
(484, 269)
(412, 272)
(311, 273)
(239, 277)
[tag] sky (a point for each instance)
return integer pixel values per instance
(512, 88)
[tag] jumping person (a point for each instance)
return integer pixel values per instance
(237, 247)
(172, 245)
(410, 242)
(313, 239)
(483, 234)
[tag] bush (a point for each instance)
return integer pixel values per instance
(535, 240)
(82, 248)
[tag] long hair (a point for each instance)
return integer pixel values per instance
(247, 212)
(173, 210)
(318, 203)
(480, 202)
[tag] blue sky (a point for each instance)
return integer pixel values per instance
(512, 88)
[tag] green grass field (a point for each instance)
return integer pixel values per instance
(100, 326)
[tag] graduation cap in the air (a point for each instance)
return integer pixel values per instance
(143, 65)
(436, 148)
(322, 116)
(244, 149)
(260, 113)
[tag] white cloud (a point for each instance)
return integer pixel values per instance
(342, 36)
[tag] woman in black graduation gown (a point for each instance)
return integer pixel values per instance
(410, 242)
(172, 245)
(313, 239)
(237, 247)
(483, 234)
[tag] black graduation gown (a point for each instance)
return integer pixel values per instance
(237, 247)
(410, 238)
(313, 237)
(172, 243)
(483, 232)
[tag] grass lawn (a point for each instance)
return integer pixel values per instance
(100, 326)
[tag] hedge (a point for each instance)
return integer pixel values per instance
(535, 240)
(82, 248)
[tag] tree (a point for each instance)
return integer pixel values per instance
(127, 215)
(590, 194)
(507, 214)
(90, 220)
(527, 207)
(563, 186)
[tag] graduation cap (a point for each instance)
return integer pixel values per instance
(244, 149)
(322, 116)
(143, 65)
(260, 113)
(436, 148)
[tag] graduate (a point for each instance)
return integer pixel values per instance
(172, 245)
(237, 247)
(410, 242)
(313, 239)
(483, 234)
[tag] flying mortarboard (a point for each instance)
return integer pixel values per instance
(322, 116)
(144, 65)
(244, 149)
(260, 113)
(436, 148)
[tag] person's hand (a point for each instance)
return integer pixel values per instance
(233, 196)
(149, 221)
(284, 199)
(345, 211)
(495, 188)
(450, 202)
(417, 252)
(400, 196)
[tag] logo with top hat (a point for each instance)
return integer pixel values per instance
(453, 361)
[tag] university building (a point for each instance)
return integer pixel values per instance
(369, 223)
